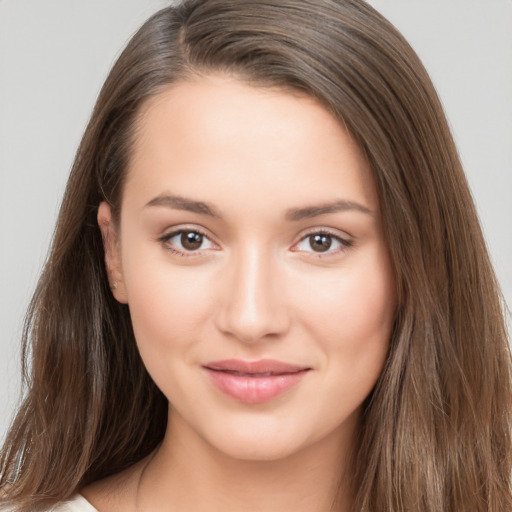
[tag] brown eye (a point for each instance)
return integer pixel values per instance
(320, 242)
(187, 242)
(191, 240)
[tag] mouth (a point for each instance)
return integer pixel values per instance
(254, 382)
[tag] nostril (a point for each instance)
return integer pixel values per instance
(251, 307)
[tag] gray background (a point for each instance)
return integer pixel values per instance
(55, 54)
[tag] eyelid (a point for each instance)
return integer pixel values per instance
(176, 230)
(345, 241)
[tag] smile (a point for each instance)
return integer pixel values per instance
(254, 382)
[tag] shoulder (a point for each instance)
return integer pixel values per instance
(76, 503)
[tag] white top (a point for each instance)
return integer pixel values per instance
(77, 503)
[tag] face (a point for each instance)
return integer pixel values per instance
(250, 252)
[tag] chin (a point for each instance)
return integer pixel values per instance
(262, 439)
(258, 450)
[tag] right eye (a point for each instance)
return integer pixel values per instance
(187, 241)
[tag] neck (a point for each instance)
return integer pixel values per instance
(188, 474)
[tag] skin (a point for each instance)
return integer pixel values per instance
(255, 288)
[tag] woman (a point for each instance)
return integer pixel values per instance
(268, 288)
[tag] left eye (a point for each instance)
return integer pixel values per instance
(321, 243)
(189, 241)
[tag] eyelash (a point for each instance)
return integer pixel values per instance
(344, 243)
(164, 240)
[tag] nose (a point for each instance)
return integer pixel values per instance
(253, 300)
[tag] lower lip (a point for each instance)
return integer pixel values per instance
(254, 390)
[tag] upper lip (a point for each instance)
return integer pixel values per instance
(263, 366)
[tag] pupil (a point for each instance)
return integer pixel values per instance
(320, 243)
(191, 240)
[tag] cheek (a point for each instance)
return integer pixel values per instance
(351, 315)
(362, 299)
(167, 304)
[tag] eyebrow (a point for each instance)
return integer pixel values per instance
(341, 205)
(183, 203)
(293, 214)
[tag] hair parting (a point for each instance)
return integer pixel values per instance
(436, 431)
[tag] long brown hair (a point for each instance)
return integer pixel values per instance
(436, 428)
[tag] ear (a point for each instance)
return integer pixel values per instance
(112, 252)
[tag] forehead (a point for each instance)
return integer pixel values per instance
(199, 136)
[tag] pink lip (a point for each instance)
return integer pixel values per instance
(254, 382)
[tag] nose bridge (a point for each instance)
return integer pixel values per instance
(253, 307)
